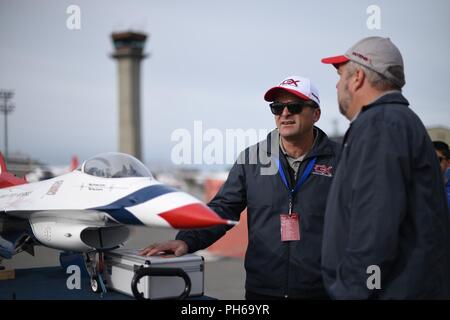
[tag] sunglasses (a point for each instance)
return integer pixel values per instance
(293, 107)
(442, 159)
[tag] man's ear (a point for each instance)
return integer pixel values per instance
(316, 114)
(358, 79)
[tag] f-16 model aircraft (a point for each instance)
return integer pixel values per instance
(88, 210)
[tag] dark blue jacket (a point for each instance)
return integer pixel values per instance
(275, 268)
(447, 189)
(387, 208)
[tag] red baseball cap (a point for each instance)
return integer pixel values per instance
(336, 60)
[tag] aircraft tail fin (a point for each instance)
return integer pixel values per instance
(74, 163)
(2, 164)
(7, 179)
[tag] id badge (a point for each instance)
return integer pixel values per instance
(290, 227)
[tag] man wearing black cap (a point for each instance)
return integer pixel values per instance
(283, 181)
(386, 233)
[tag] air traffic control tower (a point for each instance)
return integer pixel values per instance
(129, 47)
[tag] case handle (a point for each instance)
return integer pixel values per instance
(159, 272)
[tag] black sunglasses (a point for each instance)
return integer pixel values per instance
(293, 107)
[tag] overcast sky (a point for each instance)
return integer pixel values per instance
(209, 61)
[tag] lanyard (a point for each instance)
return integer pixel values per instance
(300, 182)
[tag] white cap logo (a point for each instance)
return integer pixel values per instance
(290, 82)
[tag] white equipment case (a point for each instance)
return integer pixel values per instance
(123, 264)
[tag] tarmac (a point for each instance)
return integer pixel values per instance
(224, 277)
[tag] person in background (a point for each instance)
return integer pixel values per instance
(443, 154)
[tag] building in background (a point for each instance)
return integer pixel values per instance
(129, 51)
(439, 133)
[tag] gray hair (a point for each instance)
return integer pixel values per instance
(376, 80)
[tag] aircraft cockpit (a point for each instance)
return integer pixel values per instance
(115, 165)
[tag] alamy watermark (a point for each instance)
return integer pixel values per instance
(374, 280)
(374, 20)
(213, 146)
(74, 280)
(73, 21)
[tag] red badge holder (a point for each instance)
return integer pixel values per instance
(290, 227)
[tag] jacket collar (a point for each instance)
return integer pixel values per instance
(393, 97)
(322, 146)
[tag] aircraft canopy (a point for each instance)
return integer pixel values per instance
(115, 165)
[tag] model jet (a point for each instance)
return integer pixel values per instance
(88, 209)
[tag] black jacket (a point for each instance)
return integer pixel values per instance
(275, 268)
(387, 208)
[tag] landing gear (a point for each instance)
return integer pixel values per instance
(95, 271)
(95, 284)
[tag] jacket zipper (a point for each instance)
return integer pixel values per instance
(286, 291)
(286, 288)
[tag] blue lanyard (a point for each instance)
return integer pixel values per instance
(300, 182)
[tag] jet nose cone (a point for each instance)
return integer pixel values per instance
(193, 216)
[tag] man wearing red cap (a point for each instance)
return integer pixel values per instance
(386, 233)
(285, 206)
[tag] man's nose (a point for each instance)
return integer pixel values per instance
(285, 112)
